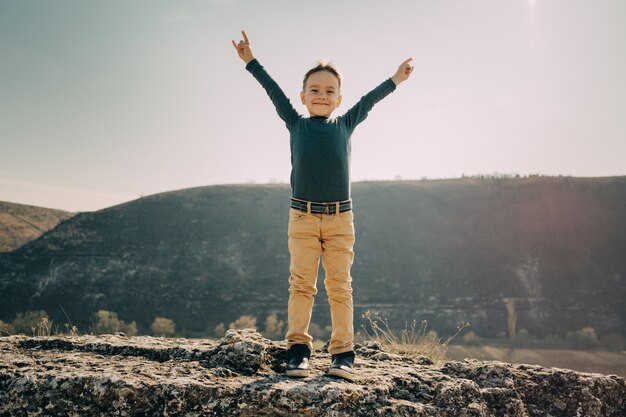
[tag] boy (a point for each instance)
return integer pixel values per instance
(320, 218)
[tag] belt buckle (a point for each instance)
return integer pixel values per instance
(326, 208)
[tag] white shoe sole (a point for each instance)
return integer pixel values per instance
(340, 373)
(297, 373)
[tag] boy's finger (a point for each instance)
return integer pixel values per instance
(245, 37)
(407, 61)
(235, 45)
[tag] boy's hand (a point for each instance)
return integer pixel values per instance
(243, 48)
(404, 71)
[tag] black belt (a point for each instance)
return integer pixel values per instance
(323, 208)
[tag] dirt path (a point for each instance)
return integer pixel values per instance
(585, 361)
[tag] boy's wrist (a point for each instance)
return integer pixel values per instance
(396, 80)
(249, 63)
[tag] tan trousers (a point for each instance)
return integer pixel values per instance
(331, 237)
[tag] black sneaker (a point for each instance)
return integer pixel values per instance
(342, 365)
(298, 361)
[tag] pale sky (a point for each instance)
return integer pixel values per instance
(104, 101)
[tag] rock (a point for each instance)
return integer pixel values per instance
(242, 375)
(242, 351)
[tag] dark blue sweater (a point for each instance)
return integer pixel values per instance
(320, 146)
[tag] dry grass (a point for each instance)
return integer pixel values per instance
(413, 340)
(47, 327)
(20, 224)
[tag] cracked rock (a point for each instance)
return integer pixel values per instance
(243, 375)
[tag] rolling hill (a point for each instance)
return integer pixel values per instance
(445, 251)
(20, 223)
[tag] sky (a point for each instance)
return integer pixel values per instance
(102, 102)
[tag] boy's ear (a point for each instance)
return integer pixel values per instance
(338, 100)
(302, 97)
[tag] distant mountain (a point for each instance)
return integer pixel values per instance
(21, 223)
(445, 251)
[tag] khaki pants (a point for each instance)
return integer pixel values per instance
(331, 237)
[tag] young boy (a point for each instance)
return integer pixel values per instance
(320, 217)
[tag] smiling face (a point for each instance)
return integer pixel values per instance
(321, 93)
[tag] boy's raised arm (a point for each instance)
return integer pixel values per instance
(359, 111)
(283, 106)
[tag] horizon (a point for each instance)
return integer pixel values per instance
(485, 177)
(104, 102)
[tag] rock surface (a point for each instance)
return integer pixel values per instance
(243, 375)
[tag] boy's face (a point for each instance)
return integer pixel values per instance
(321, 94)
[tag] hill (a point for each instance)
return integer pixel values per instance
(444, 251)
(596, 361)
(243, 375)
(21, 223)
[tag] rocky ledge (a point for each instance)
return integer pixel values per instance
(243, 375)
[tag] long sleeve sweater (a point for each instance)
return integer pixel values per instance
(320, 146)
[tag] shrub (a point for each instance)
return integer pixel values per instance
(131, 329)
(6, 328)
(106, 322)
(273, 327)
(244, 322)
(584, 338)
(524, 338)
(163, 327)
(554, 341)
(471, 338)
(220, 330)
(28, 322)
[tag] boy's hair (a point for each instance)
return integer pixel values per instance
(323, 65)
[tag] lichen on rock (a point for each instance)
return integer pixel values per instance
(243, 351)
(243, 375)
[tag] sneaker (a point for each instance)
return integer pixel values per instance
(298, 361)
(342, 364)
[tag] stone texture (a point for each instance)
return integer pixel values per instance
(242, 375)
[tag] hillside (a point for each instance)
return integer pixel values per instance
(20, 223)
(243, 375)
(584, 361)
(444, 251)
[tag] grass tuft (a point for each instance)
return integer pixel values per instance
(413, 340)
(46, 327)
